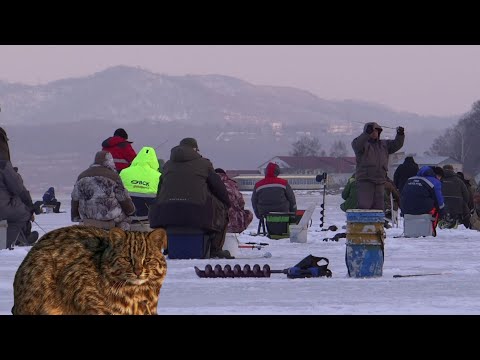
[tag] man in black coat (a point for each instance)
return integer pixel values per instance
(192, 195)
(16, 207)
(405, 171)
(456, 197)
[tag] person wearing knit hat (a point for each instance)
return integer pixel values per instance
(120, 148)
(190, 142)
(457, 198)
(192, 195)
(122, 133)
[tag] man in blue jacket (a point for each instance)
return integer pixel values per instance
(422, 194)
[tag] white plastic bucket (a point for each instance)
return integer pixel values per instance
(298, 234)
(231, 244)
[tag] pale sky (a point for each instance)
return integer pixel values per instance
(424, 79)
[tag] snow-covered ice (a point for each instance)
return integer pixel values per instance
(455, 253)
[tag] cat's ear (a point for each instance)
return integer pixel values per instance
(159, 236)
(116, 235)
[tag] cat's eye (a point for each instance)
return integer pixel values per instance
(127, 259)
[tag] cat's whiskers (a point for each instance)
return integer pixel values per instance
(104, 259)
(115, 289)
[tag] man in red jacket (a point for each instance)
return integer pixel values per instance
(121, 149)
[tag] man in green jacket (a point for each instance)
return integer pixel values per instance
(142, 179)
(349, 194)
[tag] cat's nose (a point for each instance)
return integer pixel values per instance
(138, 271)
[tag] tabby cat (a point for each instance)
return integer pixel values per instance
(87, 270)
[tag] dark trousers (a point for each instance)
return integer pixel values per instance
(218, 238)
(17, 232)
(38, 204)
(57, 204)
(370, 195)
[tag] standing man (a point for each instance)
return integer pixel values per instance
(372, 164)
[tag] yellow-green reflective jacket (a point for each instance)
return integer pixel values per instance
(142, 176)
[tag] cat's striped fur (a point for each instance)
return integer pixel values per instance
(87, 270)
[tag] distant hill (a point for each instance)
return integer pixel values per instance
(125, 95)
(55, 129)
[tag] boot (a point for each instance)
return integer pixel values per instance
(32, 238)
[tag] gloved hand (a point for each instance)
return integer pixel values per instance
(369, 129)
(400, 130)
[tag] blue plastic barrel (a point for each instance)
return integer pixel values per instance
(364, 246)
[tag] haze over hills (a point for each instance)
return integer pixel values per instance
(238, 125)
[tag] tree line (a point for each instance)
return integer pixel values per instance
(460, 142)
(311, 146)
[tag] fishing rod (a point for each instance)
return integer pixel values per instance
(161, 144)
(383, 126)
(40, 227)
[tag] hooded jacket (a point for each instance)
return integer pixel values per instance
(349, 194)
(422, 193)
(405, 171)
(239, 218)
(455, 193)
(191, 193)
(141, 179)
(121, 150)
(99, 193)
(273, 194)
(49, 196)
(15, 201)
(372, 155)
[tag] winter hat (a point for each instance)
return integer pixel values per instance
(220, 171)
(121, 132)
(190, 142)
(104, 158)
